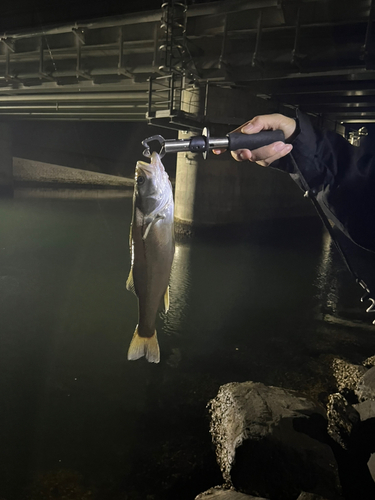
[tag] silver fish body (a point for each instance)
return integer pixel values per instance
(152, 250)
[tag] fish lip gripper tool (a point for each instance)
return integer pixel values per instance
(204, 143)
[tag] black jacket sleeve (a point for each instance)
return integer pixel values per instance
(341, 176)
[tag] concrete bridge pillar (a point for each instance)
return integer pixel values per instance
(219, 190)
(6, 160)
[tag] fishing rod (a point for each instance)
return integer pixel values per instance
(312, 194)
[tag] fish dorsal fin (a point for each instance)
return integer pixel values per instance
(155, 219)
(130, 282)
(166, 300)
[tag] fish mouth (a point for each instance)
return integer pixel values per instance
(148, 168)
(143, 168)
(153, 169)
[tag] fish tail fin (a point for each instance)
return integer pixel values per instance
(144, 346)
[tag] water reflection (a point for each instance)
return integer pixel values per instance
(180, 288)
(326, 279)
(180, 283)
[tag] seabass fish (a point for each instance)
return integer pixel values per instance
(152, 249)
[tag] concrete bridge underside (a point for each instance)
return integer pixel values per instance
(223, 64)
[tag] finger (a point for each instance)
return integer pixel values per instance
(218, 151)
(263, 153)
(259, 123)
(251, 127)
(241, 154)
(269, 122)
(259, 157)
(267, 151)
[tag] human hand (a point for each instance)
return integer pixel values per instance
(267, 154)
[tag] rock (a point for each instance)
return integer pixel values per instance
(366, 409)
(369, 362)
(342, 418)
(270, 442)
(222, 493)
(309, 496)
(353, 427)
(371, 466)
(365, 388)
(347, 375)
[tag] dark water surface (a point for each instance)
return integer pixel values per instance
(77, 418)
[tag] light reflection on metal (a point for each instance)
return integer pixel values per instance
(356, 135)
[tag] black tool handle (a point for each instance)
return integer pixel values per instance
(254, 141)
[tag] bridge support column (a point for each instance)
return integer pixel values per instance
(219, 190)
(6, 160)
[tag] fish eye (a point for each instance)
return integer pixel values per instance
(140, 180)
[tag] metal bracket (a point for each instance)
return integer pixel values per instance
(8, 76)
(42, 74)
(79, 42)
(121, 67)
(296, 56)
(223, 44)
(255, 61)
(9, 43)
(368, 46)
(80, 34)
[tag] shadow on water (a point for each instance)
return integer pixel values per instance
(76, 414)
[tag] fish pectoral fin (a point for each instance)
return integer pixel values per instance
(130, 282)
(131, 235)
(144, 346)
(166, 300)
(155, 219)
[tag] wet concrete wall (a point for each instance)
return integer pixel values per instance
(39, 174)
(105, 147)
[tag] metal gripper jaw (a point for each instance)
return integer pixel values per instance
(160, 139)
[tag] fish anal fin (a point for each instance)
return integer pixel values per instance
(130, 282)
(166, 300)
(144, 346)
